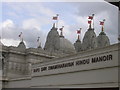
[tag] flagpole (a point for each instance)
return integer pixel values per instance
(57, 24)
(21, 37)
(103, 24)
(57, 21)
(93, 23)
(80, 34)
(93, 20)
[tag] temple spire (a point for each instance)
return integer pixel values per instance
(77, 44)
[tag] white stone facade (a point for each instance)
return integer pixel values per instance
(87, 71)
(59, 64)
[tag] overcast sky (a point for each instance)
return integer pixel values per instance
(35, 19)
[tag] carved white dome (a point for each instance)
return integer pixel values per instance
(89, 40)
(78, 45)
(102, 40)
(52, 42)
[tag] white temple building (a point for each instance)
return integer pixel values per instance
(88, 63)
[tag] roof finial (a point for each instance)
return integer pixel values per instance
(56, 19)
(39, 43)
(102, 24)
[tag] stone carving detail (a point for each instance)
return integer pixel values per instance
(19, 67)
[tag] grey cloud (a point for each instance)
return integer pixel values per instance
(82, 9)
(30, 36)
(87, 8)
(98, 8)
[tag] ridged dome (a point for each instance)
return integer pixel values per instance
(102, 40)
(66, 46)
(52, 42)
(89, 40)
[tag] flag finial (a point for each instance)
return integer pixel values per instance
(102, 24)
(78, 32)
(56, 19)
(91, 18)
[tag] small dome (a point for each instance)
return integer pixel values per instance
(22, 45)
(102, 40)
(57, 43)
(89, 40)
(78, 45)
(66, 46)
